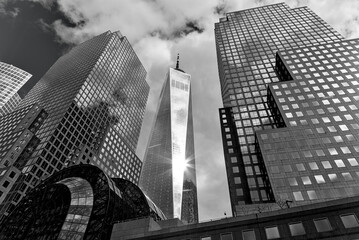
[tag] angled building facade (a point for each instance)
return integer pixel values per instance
(168, 174)
(90, 104)
(11, 80)
(247, 42)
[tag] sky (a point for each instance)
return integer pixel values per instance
(34, 33)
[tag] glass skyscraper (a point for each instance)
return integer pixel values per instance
(11, 80)
(168, 174)
(87, 108)
(247, 42)
(314, 156)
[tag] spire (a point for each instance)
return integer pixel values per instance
(177, 65)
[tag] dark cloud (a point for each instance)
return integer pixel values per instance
(190, 27)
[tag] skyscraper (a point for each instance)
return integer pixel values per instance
(11, 80)
(247, 42)
(168, 174)
(314, 156)
(87, 108)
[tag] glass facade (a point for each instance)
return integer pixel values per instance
(247, 42)
(11, 80)
(314, 157)
(168, 174)
(95, 98)
(80, 202)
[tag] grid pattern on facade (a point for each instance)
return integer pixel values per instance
(247, 42)
(10, 105)
(95, 96)
(315, 158)
(11, 80)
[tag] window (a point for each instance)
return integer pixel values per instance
(298, 196)
(353, 162)
(226, 236)
(306, 180)
(319, 179)
(272, 232)
(6, 184)
(312, 195)
(237, 180)
(248, 235)
(349, 220)
(322, 225)
(12, 174)
(292, 182)
(300, 167)
(206, 238)
(339, 163)
(296, 229)
(347, 176)
(313, 166)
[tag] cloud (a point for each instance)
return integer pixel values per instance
(341, 15)
(158, 30)
(5, 11)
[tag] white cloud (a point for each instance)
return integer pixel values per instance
(150, 26)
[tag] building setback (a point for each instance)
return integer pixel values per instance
(168, 175)
(247, 42)
(87, 108)
(11, 80)
(314, 156)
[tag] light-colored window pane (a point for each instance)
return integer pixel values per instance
(298, 196)
(272, 232)
(333, 177)
(306, 180)
(326, 164)
(319, 179)
(339, 163)
(353, 162)
(300, 167)
(347, 176)
(313, 166)
(296, 229)
(293, 182)
(349, 221)
(312, 195)
(322, 225)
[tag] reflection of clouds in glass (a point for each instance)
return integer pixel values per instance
(118, 81)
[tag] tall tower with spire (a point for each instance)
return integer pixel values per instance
(168, 174)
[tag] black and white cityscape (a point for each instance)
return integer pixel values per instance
(204, 120)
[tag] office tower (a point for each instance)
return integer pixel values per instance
(11, 80)
(314, 156)
(168, 174)
(87, 108)
(79, 202)
(247, 42)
